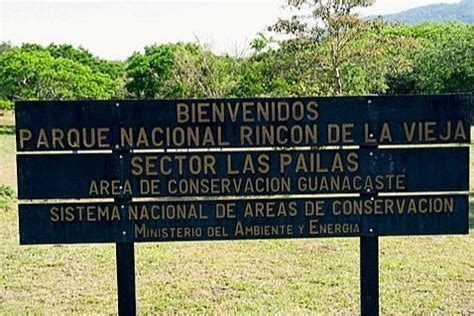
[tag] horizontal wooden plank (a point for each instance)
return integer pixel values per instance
(281, 122)
(243, 219)
(243, 173)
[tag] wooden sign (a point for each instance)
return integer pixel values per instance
(231, 123)
(242, 219)
(242, 168)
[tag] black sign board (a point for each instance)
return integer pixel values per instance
(402, 156)
(243, 173)
(229, 169)
(242, 219)
(229, 123)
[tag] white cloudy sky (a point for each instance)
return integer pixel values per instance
(114, 29)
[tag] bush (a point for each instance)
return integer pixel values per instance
(6, 105)
(6, 191)
(6, 194)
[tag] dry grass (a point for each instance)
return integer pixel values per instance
(418, 274)
(7, 149)
(7, 118)
(7, 160)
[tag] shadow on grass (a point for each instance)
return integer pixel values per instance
(7, 130)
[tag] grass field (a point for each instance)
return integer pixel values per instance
(418, 275)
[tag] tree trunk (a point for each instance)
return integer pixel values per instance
(335, 69)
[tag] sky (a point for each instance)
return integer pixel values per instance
(114, 30)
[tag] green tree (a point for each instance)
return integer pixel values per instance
(36, 75)
(442, 61)
(114, 69)
(148, 74)
(5, 46)
(180, 70)
(332, 51)
(197, 72)
(5, 104)
(332, 22)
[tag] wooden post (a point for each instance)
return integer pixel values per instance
(124, 248)
(369, 275)
(125, 254)
(369, 244)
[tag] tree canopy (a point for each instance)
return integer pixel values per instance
(325, 49)
(37, 75)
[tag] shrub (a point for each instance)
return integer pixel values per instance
(6, 194)
(6, 105)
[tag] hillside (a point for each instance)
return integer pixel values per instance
(462, 11)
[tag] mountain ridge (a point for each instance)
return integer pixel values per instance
(442, 12)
